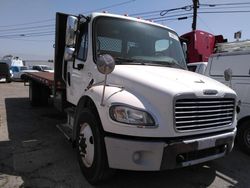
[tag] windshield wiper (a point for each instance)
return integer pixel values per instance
(175, 63)
(130, 61)
(122, 60)
(163, 63)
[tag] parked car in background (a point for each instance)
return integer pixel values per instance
(198, 67)
(19, 71)
(5, 72)
(44, 68)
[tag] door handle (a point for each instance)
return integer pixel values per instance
(68, 78)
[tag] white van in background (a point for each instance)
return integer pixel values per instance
(12, 61)
(233, 69)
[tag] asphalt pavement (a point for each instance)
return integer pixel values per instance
(34, 153)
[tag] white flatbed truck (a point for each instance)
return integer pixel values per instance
(130, 101)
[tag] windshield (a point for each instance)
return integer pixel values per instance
(134, 42)
(46, 68)
(23, 68)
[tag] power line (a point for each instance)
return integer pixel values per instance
(25, 28)
(25, 31)
(189, 8)
(111, 6)
(205, 23)
(199, 12)
(228, 4)
(218, 12)
(171, 16)
(178, 18)
(29, 23)
(28, 40)
(231, 7)
(28, 34)
(153, 13)
(49, 20)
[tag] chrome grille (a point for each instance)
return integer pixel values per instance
(200, 114)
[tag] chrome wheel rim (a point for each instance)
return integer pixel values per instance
(86, 144)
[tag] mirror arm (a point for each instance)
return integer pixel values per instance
(87, 18)
(103, 91)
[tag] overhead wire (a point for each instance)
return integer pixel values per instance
(111, 6)
(27, 28)
(27, 34)
(169, 19)
(216, 8)
(219, 12)
(158, 15)
(205, 24)
(28, 40)
(155, 15)
(28, 23)
(228, 4)
(15, 31)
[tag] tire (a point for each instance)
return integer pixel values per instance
(24, 78)
(8, 79)
(91, 152)
(243, 136)
(34, 94)
(38, 94)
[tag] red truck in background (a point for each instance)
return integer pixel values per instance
(200, 45)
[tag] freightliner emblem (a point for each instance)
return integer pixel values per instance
(210, 92)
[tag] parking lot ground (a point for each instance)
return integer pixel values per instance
(33, 153)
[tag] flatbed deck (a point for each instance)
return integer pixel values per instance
(46, 78)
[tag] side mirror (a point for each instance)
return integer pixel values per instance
(105, 64)
(184, 47)
(71, 28)
(69, 54)
(228, 74)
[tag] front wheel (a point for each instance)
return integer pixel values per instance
(91, 152)
(244, 136)
(8, 79)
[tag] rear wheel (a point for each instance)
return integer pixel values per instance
(34, 93)
(91, 152)
(38, 94)
(244, 136)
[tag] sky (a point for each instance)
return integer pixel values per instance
(27, 26)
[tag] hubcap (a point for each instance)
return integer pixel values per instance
(86, 144)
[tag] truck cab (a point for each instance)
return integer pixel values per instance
(131, 102)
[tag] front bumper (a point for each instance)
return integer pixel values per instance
(161, 155)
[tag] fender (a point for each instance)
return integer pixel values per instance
(112, 95)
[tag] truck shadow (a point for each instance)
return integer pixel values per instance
(37, 155)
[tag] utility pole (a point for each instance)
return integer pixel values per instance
(195, 7)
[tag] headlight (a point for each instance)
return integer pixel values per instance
(128, 115)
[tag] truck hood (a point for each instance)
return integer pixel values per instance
(172, 81)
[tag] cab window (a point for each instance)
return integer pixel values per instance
(83, 43)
